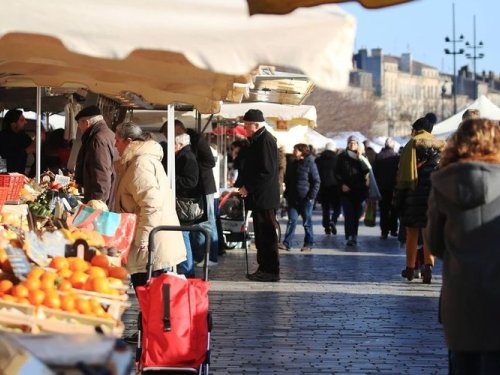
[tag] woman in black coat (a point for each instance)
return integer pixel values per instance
(351, 175)
(419, 159)
(301, 187)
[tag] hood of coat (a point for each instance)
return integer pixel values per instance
(140, 148)
(468, 184)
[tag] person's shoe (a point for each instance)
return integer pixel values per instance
(263, 276)
(132, 339)
(408, 273)
(333, 228)
(282, 246)
(328, 230)
(383, 236)
(351, 242)
(210, 263)
(305, 249)
(427, 274)
(394, 233)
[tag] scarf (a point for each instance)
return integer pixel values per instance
(407, 171)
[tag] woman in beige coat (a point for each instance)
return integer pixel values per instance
(143, 189)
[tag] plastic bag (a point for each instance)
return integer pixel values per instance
(371, 213)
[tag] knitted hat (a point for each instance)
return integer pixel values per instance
(352, 138)
(431, 117)
(423, 124)
(254, 115)
(89, 111)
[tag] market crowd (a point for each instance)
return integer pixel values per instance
(437, 197)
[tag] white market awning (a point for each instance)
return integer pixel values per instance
(177, 51)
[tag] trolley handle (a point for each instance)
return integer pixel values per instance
(173, 228)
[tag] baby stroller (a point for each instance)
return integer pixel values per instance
(175, 324)
(235, 220)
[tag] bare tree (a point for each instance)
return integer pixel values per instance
(344, 111)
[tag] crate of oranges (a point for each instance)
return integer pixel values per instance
(71, 291)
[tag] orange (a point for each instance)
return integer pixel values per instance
(118, 273)
(78, 279)
(83, 306)
(36, 297)
(65, 273)
(35, 273)
(6, 286)
(78, 264)
(52, 300)
(100, 284)
(59, 263)
(95, 271)
(24, 301)
(68, 303)
(64, 285)
(9, 298)
(20, 291)
(47, 283)
(32, 284)
(100, 261)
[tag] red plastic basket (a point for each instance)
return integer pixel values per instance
(14, 183)
(3, 196)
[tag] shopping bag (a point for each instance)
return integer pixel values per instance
(371, 212)
(174, 321)
(117, 229)
(189, 210)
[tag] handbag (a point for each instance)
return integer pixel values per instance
(189, 210)
(371, 212)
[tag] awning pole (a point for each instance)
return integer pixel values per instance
(171, 146)
(38, 139)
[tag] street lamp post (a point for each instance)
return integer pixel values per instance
(474, 55)
(454, 52)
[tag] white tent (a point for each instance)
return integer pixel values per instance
(486, 108)
(300, 134)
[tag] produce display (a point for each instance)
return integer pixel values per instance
(55, 277)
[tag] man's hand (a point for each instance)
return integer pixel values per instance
(243, 192)
(345, 188)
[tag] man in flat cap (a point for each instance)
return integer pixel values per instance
(260, 188)
(95, 171)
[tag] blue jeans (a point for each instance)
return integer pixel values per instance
(186, 267)
(198, 239)
(304, 209)
(352, 209)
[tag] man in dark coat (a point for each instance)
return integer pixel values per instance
(15, 144)
(329, 194)
(206, 184)
(95, 170)
(260, 188)
(386, 170)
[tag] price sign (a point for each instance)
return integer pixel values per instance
(19, 262)
(63, 180)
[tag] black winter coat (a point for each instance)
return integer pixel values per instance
(302, 180)
(260, 175)
(186, 174)
(206, 161)
(411, 205)
(327, 164)
(385, 169)
(352, 173)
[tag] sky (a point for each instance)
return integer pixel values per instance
(420, 27)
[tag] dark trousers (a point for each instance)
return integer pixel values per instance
(330, 205)
(266, 240)
(388, 216)
(474, 363)
(352, 209)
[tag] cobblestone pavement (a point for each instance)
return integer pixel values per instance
(336, 310)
